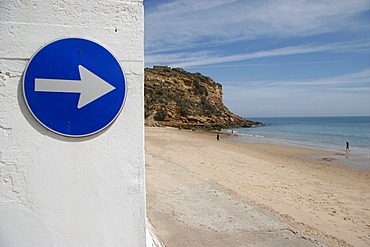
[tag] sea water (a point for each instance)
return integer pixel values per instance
(326, 133)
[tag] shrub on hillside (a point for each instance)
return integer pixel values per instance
(160, 115)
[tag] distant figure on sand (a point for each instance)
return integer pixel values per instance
(218, 137)
(347, 146)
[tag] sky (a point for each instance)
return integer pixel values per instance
(272, 57)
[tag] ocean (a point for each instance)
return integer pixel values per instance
(324, 133)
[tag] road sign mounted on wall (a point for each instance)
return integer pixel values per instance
(74, 87)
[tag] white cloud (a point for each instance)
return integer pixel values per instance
(342, 95)
(207, 58)
(271, 101)
(172, 58)
(184, 23)
(355, 81)
(185, 6)
(362, 77)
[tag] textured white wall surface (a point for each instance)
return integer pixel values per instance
(60, 191)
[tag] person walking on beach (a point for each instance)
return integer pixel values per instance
(347, 146)
(218, 137)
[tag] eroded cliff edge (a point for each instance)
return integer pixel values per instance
(177, 98)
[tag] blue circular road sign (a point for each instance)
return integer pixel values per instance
(74, 87)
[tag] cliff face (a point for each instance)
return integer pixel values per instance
(174, 97)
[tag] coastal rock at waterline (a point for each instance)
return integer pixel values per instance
(174, 97)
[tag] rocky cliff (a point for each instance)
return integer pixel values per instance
(174, 97)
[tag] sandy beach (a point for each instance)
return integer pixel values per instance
(204, 192)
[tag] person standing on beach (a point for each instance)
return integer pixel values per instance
(218, 137)
(347, 146)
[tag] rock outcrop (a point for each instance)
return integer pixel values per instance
(174, 97)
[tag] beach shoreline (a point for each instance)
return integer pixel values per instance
(313, 191)
(345, 159)
(323, 133)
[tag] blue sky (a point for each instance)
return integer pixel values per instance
(273, 58)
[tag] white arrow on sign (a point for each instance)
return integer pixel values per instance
(90, 86)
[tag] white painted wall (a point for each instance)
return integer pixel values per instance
(59, 191)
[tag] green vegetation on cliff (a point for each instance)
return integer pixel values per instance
(175, 97)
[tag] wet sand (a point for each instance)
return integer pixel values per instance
(204, 192)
